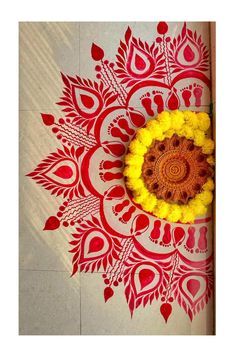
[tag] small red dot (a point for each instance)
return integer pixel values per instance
(59, 136)
(115, 283)
(120, 279)
(106, 62)
(65, 224)
(64, 140)
(98, 68)
(106, 281)
(104, 276)
(111, 65)
(158, 39)
(62, 208)
(171, 299)
(67, 120)
(59, 214)
(163, 299)
(55, 129)
(72, 223)
(65, 204)
(61, 121)
(98, 76)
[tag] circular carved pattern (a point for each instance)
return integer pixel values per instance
(175, 169)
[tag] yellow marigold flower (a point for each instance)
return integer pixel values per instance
(177, 120)
(144, 136)
(155, 130)
(210, 160)
(209, 185)
(141, 195)
(174, 213)
(149, 203)
(186, 131)
(132, 159)
(136, 147)
(208, 146)
(169, 133)
(187, 215)
(135, 184)
(206, 197)
(164, 120)
(199, 137)
(203, 121)
(197, 207)
(162, 209)
(187, 124)
(191, 119)
(131, 172)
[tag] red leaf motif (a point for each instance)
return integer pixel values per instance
(52, 223)
(128, 34)
(108, 293)
(97, 53)
(48, 120)
(166, 310)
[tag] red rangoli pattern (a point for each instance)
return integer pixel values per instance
(154, 260)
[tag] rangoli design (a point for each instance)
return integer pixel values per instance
(109, 232)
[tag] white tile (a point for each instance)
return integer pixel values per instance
(49, 303)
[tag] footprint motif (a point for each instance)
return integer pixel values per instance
(157, 98)
(197, 92)
(186, 95)
(147, 103)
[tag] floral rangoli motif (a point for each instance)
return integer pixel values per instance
(155, 260)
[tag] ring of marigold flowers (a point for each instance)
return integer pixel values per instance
(169, 166)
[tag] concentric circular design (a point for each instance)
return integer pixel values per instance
(175, 169)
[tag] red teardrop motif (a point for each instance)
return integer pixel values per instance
(52, 223)
(96, 244)
(87, 101)
(193, 286)
(178, 234)
(108, 293)
(146, 276)
(116, 192)
(162, 28)
(137, 118)
(97, 52)
(188, 53)
(48, 120)
(140, 224)
(139, 62)
(166, 310)
(64, 172)
(113, 148)
(173, 102)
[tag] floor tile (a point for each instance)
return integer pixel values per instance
(113, 317)
(46, 48)
(49, 303)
